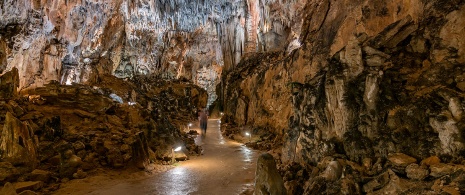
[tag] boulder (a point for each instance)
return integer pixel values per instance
(28, 185)
(461, 86)
(8, 189)
(416, 172)
(394, 186)
(267, 178)
(74, 161)
(430, 161)
(69, 166)
(9, 83)
(377, 183)
(180, 156)
(40, 175)
(17, 144)
(441, 169)
(79, 174)
(400, 161)
(333, 172)
(7, 172)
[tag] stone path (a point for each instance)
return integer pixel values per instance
(225, 167)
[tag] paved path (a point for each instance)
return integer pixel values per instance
(226, 167)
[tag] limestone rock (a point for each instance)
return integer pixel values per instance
(8, 189)
(17, 144)
(180, 156)
(461, 86)
(430, 161)
(394, 186)
(375, 57)
(267, 178)
(441, 169)
(9, 83)
(40, 175)
(79, 174)
(455, 108)
(7, 171)
(353, 57)
(74, 161)
(69, 166)
(333, 172)
(28, 185)
(448, 134)
(401, 160)
(416, 172)
(378, 182)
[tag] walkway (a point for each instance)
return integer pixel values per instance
(225, 167)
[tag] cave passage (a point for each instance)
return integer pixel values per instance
(226, 167)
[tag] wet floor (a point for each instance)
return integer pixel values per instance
(226, 167)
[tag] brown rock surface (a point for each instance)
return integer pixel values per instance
(315, 80)
(399, 159)
(28, 185)
(441, 169)
(267, 178)
(416, 172)
(17, 142)
(8, 189)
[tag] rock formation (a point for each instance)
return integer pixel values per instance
(350, 96)
(371, 79)
(267, 178)
(69, 130)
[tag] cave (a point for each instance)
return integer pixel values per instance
(232, 97)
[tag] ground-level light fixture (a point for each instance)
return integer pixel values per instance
(189, 126)
(221, 113)
(249, 135)
(173, 160)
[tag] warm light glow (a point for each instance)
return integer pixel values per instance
(190, 124)
(247, 133)
(177, 149)
(221, 113)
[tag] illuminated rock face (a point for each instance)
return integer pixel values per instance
(370, 79)
(76, 41)
(360, 79)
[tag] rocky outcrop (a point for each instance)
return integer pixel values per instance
(267, 178)
(18, 145)
(9, 83)
(67, 131)
(80, 41)
(371, 79)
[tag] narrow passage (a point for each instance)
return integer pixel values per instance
(226, 167)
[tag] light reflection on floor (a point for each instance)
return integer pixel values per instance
(225, 168)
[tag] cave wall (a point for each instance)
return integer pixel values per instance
(370, 78)
(251, 26)
(78, 41)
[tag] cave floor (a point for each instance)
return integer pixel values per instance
(226, 167)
